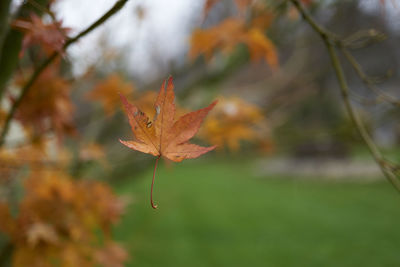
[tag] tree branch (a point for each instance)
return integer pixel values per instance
(344, 89)
(369, 83)
(118, 5)
(363, 38)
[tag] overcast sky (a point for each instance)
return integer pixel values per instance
(390, 10)
(151, 43)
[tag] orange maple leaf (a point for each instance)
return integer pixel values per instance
(51, 37)
(165, 137)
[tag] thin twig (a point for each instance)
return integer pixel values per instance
(367, 80)
(50, 13)
(118, 5)
(363, 38)
(43, 9)
(329, 43)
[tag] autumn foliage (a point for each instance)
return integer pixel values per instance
(232, 31)
(50, 216)
(233, 121)
(56, 207)
(227, 35)
(62, 117)
(47, 106)
(106, 92)
(60, 219)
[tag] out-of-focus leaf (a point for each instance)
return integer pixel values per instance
(227, 35)
(261, 47)
(232, 121)
(112, 255)
(50, 37)
(41, 232)
(47, 105)
(107, 92)
(62, 221)
(224, 36)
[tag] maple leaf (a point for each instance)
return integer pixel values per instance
(165, 137)
(51, 37)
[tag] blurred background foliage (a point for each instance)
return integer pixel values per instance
(290, 183)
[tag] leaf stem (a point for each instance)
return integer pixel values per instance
(154, 206)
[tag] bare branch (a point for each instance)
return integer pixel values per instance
(329, 43)
(363, 38)
(368, 81)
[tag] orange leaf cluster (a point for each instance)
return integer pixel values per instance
(47, 105)
(227, 35)
(106, 92)
(63, 222)
(165, 136)
(51, 37)
(232, 121)
(46, 155)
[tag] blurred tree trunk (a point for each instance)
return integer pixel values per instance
(4, 13)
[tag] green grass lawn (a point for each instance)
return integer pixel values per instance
(217, 213)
